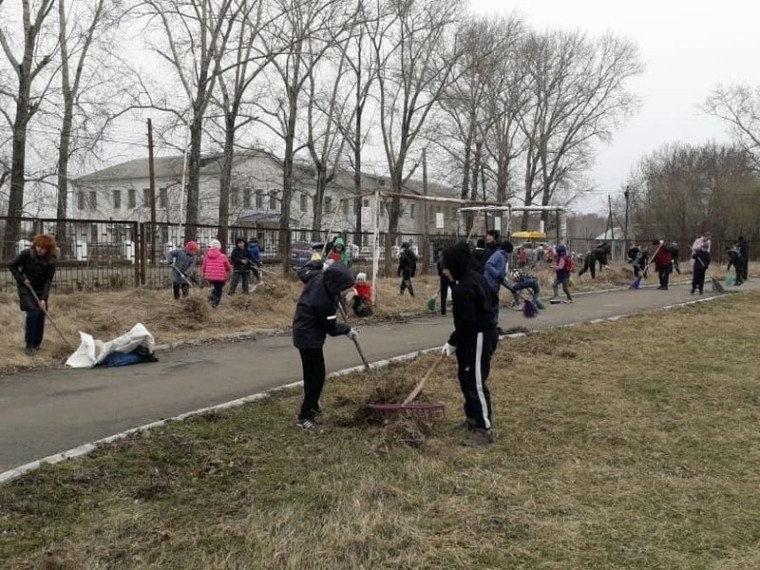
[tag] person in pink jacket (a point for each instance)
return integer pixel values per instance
(216, 270)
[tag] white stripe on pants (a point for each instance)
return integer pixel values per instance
(479, 380)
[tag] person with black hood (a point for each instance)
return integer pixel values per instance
(492, 243)
(474, 340)
(443, 281)
(242, 265)
(407, 266)
(479, 255)
(314, 319)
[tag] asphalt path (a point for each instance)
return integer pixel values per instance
(49, 411)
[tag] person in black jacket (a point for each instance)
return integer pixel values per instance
(743, 247)
(242, 265)
(479, 255)
(407, 266)
(314, 319)
(474, 339)
(442, 279)
(34, 269)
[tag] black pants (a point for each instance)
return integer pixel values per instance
(35, 328)
(313, 363)
(741, 270)
(406, 283)
(664, 274)
(238, 276)
(473, 367)
(445, 284)
(177, 287)
(698, 276)
(216, 293)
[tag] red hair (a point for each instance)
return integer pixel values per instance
(46, 241)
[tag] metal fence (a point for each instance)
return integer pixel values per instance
(98, 255)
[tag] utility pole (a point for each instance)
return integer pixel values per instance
(627, 195)
(152, 176)
(612, 226)
(425, 237)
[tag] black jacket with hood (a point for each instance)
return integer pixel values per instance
(241, 258)
(316, 316)
(474, 301)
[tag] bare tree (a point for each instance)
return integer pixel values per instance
(311, 28)
(80, 25)
(194, 34)
(579, 97)
(28, 63)
(238, 69)
(739, 107)
(419, 54)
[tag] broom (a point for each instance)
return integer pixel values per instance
(529, 309)
(432, 301)
(717, 286)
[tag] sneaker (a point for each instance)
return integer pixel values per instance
(554, 300)
(479, 437)
(467, 425)
(309, 424)
(567, 301)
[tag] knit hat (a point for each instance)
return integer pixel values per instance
(191, 247)
(361, 277)
(215, 244)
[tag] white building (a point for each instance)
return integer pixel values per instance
(122, 192)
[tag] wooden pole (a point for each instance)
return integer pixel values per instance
(375, 247)
(425, 239)
(152, 177)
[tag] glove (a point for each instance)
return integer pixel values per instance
(448, 349)
(353, 333)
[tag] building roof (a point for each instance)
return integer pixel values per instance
(607, 235)
(165, 167)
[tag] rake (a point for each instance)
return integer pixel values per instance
(637, 282)
(52, 322)
(717, 286)
(407, 407)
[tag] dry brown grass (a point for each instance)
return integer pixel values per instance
(631, 444)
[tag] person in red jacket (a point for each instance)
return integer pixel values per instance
(216, 270)
(663, 263)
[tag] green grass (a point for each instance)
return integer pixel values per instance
(632, 444)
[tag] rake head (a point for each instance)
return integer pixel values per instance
(529, 309)
(636, 283)
(427, 410)
(717, 286)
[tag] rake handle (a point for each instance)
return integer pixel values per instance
(52, 322)
(361, 353)
(421, 383)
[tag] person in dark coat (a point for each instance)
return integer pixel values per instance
(743, 248)
(663, 263)
(474, 340)
(242, 265)
(315, 318)
(701, 258)
(600, 254)
(479, 255)
(407, 267)
(34, 269)
(443, 281)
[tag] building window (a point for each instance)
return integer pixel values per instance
(81, 200)
(259, 199)
(345, 207)
(411, 211)
(304, 202)
(163, 197)
(146, 197)
(328, 205)
(116, 199)
(131, 198)
(273, 201)
(246, 197)
(234, 197)
(93, 200)
(365, 202)
(94, 233)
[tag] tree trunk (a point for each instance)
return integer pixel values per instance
(18, 163)
(358, 166)
(319, 202)
(225, 179)
(193, 178)
(64, 143)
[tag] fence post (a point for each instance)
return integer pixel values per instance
(135, 251)
(143, 254)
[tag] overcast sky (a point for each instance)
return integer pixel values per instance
(687, 46)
